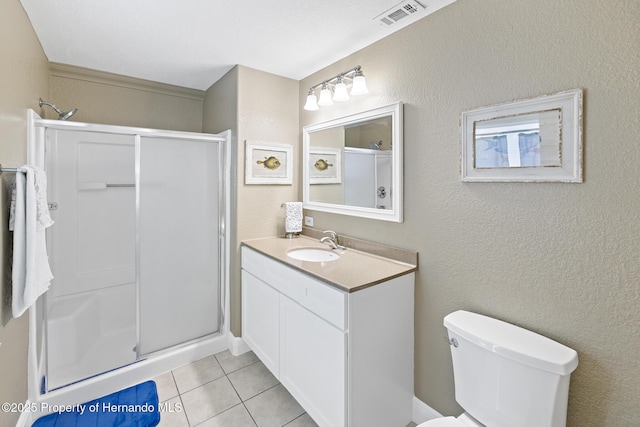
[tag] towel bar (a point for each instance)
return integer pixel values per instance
(10, 169)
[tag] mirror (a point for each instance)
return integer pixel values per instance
(535, 140)
(353, 165)
(521, 141)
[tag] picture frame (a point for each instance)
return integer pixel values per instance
(533, 140)
(325, 165)
(268, 163)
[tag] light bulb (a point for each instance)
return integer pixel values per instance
(359, 85)
(312, 102)
(340, 91)
(325, 96)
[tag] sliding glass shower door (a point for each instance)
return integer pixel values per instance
(136, 250)
(178, 240)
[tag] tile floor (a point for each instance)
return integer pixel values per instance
(227, 391)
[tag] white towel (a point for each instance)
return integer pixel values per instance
(29, 218)
(293, 217)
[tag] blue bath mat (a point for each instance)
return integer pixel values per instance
(135, 406)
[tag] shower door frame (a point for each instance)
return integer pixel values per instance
(155, 364)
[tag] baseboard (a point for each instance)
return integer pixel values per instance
(237, 346)
(423, 412)
(25, 418)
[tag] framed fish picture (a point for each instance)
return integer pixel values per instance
(268, 163)
(325, 165)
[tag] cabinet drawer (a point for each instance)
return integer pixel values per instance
(323, 300)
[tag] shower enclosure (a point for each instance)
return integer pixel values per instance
(138, 253)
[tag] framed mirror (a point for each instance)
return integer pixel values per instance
(353, 165)
(535, 140)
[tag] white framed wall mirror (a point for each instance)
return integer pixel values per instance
(353, 165)
(534, 140)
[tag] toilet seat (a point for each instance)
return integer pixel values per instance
(443, 422)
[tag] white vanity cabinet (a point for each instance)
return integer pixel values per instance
(346, 357)
(261, 310)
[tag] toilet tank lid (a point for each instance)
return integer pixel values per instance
(513, 342)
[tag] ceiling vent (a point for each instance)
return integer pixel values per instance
(399, 11)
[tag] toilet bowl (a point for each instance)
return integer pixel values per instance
(506, 376)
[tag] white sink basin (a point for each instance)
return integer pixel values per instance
(313, 254)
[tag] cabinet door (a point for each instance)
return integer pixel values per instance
(312, 363)
(260, 320)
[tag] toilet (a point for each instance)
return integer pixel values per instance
(506, 376)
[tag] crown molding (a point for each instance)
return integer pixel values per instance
(102, 77)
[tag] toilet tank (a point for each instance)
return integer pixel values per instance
(507, 376)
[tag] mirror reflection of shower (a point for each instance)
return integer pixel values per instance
(375, 145)
(61, 114)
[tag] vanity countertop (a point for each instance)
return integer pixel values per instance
(353, 271)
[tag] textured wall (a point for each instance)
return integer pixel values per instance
(266, 109)
(112, 99)
(220, 114)
(559, 259)
(24, 76)
(220, 111)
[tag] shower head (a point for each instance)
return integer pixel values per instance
(61, 114)
(68, 114)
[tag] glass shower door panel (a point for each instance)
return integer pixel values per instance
(178, 241)
(91, 309)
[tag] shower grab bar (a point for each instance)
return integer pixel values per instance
(91, 186)
(100, 186)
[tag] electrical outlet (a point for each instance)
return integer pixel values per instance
(308, 221)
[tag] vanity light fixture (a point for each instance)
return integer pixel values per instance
(339, 84)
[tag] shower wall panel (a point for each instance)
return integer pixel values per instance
(95, 221)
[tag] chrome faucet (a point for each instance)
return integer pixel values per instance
(332, 240)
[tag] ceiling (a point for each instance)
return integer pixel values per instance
(192, 43)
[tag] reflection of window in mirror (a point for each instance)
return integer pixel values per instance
(525, 140)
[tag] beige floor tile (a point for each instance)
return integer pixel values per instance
(252, 380)
(209, 400)
(303, 421)
(234, 417)
(210, 391)
(231, 363)
(274, 408)
(197, 373)
(166, 386)
(172, 414)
